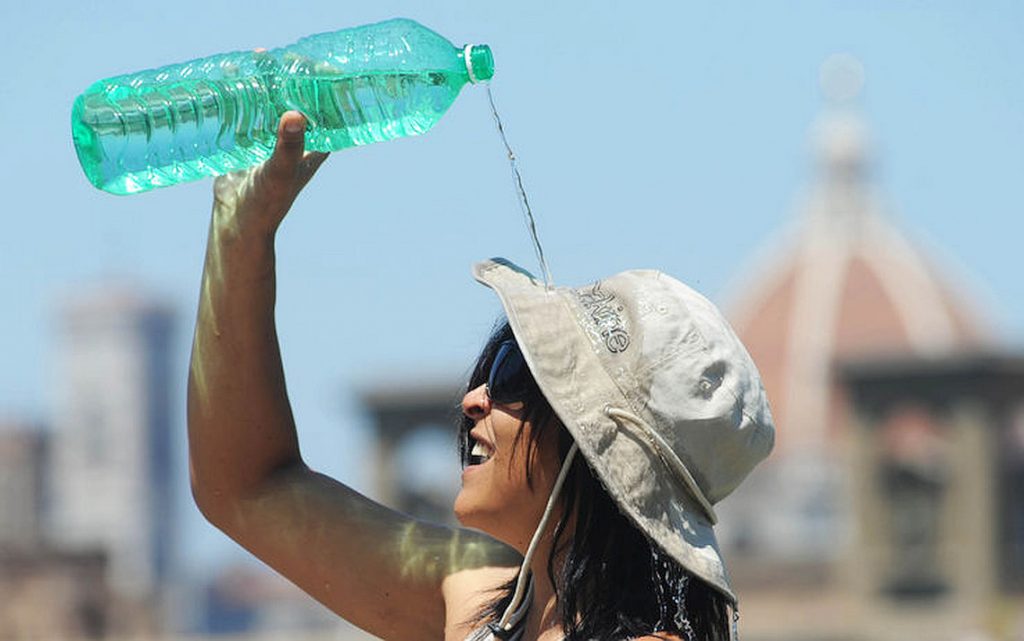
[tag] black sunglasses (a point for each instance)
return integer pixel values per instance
(510, 380)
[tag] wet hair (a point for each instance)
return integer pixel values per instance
(651, 592)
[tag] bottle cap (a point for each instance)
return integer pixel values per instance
(479, 62)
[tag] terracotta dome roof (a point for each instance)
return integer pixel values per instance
(843, 282)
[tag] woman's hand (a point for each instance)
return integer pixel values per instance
(257, 199)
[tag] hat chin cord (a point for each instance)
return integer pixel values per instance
(667, 455)
(510, 618)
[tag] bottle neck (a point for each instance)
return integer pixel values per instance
(479, 62)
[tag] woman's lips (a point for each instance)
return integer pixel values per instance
(481, 451)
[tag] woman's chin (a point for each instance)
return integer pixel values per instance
(470, 502)
(463, 514)
(471, 515)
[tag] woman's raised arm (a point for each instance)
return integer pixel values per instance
(377, 568)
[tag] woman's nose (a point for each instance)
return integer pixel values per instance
(476, 403)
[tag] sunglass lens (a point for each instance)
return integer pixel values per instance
(510, 378)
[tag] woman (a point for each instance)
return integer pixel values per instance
(600, 427)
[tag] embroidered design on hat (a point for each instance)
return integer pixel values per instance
(605, 312)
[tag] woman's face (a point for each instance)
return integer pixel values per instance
(495, 495)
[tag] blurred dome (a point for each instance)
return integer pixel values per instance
(842, 282)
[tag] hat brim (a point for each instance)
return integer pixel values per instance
(546, 323)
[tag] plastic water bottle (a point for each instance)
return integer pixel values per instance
(219, 114)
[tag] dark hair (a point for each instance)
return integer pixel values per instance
(652, 593)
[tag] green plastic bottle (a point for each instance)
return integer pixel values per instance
(219, 114)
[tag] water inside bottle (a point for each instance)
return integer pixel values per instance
(531, 224)
(130, 140)
(346, 111)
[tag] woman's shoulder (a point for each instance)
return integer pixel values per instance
(469, 589)
(660, 636)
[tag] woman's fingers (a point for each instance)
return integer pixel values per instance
(259, 198)
(291, 139)
(290, 167)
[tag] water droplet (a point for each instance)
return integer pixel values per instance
(679, 599)
(670, 583)
(531, 225)
(659, 588)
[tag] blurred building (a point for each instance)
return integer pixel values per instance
(22, 493)
(50, 594)
(111, 443)
(253, 600)
(416, 467)
(935, 450)
(844, 285)
(45, 592)
(842, 282)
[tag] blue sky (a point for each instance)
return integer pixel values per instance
(651, 134)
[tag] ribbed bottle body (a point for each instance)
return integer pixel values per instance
(171, 125)
(219, 114)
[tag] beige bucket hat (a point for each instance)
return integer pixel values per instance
(659, 394)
